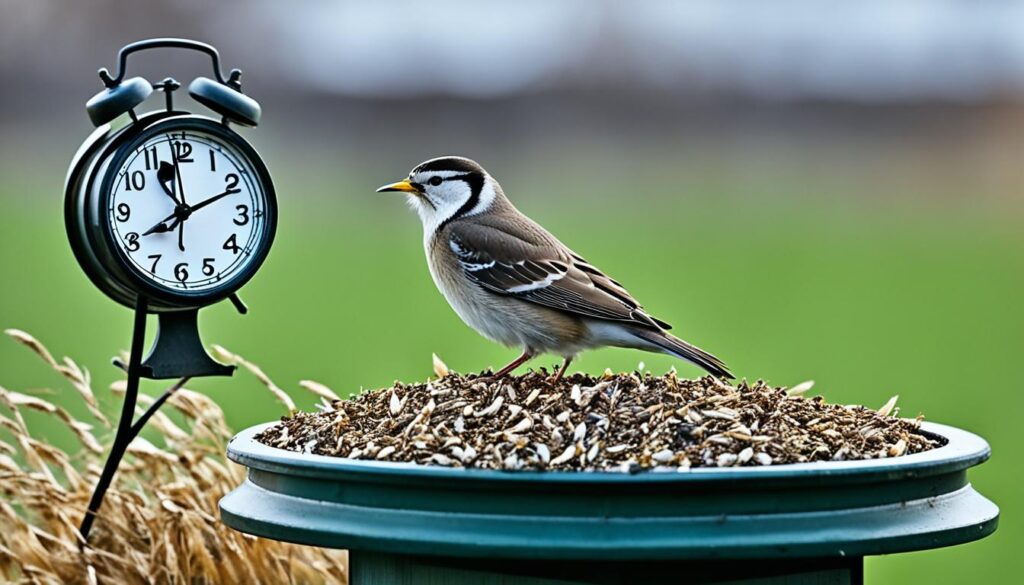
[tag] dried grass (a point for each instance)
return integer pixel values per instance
(159, 522)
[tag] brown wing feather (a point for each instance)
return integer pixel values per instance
(525, 261)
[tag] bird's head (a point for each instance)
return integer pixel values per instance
(446, 188)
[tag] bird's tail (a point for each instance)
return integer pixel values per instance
(674, 346)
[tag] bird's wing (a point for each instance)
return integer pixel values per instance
(526, 262)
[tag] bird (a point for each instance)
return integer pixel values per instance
(515, 283)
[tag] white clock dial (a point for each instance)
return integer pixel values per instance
(188, 211)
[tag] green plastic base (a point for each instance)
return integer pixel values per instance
(367, 568)
(418, 523)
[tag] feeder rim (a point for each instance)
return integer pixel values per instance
(962, 450)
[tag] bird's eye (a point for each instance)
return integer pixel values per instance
(435, 181)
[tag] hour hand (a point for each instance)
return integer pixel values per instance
(163, 226)
(165, 176)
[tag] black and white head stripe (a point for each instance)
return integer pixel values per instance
(440, 171)
(455, 164)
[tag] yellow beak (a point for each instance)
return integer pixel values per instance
(404, 186)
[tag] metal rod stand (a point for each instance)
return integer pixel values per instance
(126, 429)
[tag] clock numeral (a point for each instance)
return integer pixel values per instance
(213, 162)
(232, 244)
(208, 269)
(152, 161)
(243, 215)
(156, 259)
(232, 181)
(131, 241)
(135, 181)
(123, 212)
(181, 271)
(183, 152)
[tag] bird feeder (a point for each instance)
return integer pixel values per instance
(801, 523)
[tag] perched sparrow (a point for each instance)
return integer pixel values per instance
(515, 283)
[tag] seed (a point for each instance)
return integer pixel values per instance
(663, 456)
(889, 406)
(440, 459)
(580, 432)
(542, 451)
(898, 449)
(745, 455)
(533, 396)
(566, 455)
(801, 388)
(557, 436)
(511, 462)
(726, 460)
(493, 408)
(440, 369)
(521, 426)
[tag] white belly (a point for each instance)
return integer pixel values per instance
(505, 320)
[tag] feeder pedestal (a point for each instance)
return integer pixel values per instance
(368, 568)
(785, 524)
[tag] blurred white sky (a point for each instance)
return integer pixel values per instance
(868, 50)
(864, 50)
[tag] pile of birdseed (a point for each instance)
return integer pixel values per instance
(621, 422)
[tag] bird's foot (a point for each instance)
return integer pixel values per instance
(561, 372)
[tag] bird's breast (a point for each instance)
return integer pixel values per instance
(503, 319)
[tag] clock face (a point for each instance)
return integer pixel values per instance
(188, 211)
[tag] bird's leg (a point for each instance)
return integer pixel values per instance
(561, 370)
(527, 354)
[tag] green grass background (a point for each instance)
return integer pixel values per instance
(869, 298)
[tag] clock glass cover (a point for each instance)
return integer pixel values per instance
(187, 211)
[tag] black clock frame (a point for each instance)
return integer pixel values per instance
(89, 188)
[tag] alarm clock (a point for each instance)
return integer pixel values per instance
(167, 212)
(170, 210)
(172, 205)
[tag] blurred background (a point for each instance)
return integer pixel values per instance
(827, 191)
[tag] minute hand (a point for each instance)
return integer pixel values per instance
(214, 199)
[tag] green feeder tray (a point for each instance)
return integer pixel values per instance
(803, 523)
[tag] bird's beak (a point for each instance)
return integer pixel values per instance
(404, 186)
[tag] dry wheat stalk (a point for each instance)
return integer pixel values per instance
(159, 522)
